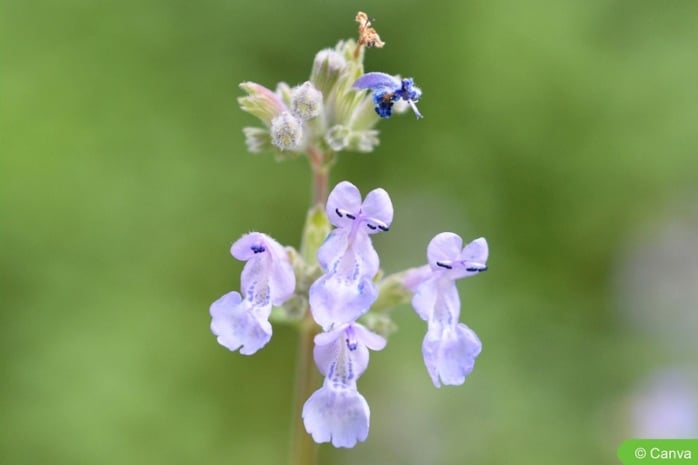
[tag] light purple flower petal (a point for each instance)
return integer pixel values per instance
(444, 247)
(376, 80)
(342, 354)
(238, 325)
(378, 211)
(445, 256)
(267, 277)
(349, 260)
(449, 353)
(343, 203)
(416, 276)
(368, 338)
(335, 300)
(473, 259)
(361, 260)
(333, 249)
(249, 245)
(437, 299)
(337, 414)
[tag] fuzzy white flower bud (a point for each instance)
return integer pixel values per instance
(306, 101)
(286, 131)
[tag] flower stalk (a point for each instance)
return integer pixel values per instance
(304, 450)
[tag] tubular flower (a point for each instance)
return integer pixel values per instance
(346, 290)
(267, 279)
(449, 347)
(337, 412)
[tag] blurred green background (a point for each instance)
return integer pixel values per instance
(564, 132)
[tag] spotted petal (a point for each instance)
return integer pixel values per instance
(344, 199)
(444, 247)
(267, 277)
(351, 342)
(379, 209)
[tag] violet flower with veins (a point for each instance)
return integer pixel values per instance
(267, 279)
(449, 347)
(337, 412)
(346, 290)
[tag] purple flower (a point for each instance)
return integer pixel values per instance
(449, 347)
(346, 290)
(387, 90)
(267, 279)
(337, 412)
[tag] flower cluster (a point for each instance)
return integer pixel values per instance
(334, 285)
(337, 412)
(327, 113)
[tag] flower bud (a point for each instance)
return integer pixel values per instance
(261, 102)
(328, 66)
(306, 101)
(286, 131)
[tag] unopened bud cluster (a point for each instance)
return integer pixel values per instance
(325, 113)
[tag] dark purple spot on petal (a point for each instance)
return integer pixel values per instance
(258, 248)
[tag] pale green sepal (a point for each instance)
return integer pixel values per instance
(258, 140)
(391, 292)
(317, 227)
(363, 141)
(379, 323)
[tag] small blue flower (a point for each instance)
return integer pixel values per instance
(267, 279)
(346, 290)
(450, 347)
(387, 90)
(337, 412)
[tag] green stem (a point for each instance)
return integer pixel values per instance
(304, 451)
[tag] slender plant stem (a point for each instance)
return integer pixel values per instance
(304, 451)
(321, 174)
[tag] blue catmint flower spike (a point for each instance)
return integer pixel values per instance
(337, 412)
(389, 89)
(267, 279)
(449, 347)
(346, 290)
